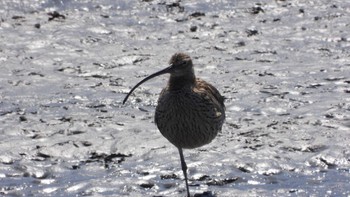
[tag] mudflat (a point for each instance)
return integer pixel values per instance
(66, 66)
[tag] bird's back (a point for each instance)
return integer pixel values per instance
(192, 116)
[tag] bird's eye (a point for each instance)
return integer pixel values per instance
(182, 63)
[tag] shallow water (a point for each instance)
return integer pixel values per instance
(282, 65)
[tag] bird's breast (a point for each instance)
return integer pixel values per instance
(188, 119)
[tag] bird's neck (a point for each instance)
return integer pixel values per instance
(179, 82)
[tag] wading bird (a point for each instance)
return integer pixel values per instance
(190, 111)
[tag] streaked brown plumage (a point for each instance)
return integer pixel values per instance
(190, 111)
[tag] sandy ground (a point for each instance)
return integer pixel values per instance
(284, 67)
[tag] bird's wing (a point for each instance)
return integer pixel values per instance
(205, 87)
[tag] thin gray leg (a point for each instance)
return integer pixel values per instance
(184, 170)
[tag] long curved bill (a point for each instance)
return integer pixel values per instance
(164, 71)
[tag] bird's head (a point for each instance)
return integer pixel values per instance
(180, 67)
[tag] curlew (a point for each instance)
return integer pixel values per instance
(190, 111)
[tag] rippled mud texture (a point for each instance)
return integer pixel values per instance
(66, 66)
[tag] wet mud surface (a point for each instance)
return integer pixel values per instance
(284, 67)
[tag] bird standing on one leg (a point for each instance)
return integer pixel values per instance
(190, 111)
